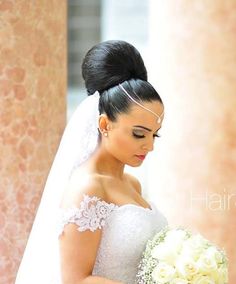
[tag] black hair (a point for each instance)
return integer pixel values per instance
(109, 64)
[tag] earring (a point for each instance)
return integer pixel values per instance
(105, 134)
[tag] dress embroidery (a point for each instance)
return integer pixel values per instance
(91, 215)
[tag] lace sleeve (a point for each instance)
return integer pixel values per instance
(90, 215)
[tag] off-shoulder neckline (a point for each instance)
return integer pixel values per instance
(150, 208)
(117, 206)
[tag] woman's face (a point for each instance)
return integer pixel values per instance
(132, 135)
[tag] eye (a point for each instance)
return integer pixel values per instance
(138, 134)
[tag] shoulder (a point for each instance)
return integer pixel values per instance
(80, 185)
(84, 204)
(135, 183)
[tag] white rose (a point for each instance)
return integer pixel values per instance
(223, 275)
(215, 253)
(220, 275)
(189, 252)
(197, 240)
(186, 267)
(201, 279)
(165, 253)
(176, 234)
(194, 247)
(176, 237)
(163, 273)
(206, 263)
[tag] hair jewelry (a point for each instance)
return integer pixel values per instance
(158, 116)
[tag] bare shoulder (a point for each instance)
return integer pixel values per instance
(81, 184)
(135, 182)
(78, 248)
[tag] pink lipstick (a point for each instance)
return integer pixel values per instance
(141, 157)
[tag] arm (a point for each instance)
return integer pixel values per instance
(78, 253)
(78, 249)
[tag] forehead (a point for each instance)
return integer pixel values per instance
(139, 115)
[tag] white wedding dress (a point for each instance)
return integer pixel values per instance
(125, 231)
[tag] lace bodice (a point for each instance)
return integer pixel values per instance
(125, 231)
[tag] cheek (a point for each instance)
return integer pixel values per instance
(121, 140)
(125, 143)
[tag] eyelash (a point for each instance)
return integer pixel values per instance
(143, 136)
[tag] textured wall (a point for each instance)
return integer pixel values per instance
(193, 48)
(32, 115)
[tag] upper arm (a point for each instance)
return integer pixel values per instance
(78, 252)
(78, 244)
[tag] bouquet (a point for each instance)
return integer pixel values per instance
(176, 256)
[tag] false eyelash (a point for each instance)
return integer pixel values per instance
(143, 136)
(138, 136)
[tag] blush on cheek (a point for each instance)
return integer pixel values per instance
(125, 147)
(123, 142)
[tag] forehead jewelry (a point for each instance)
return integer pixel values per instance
(158, 116)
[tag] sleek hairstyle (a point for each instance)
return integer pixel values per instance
(114, 62)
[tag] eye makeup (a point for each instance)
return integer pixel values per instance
(136, 135)
(139, 134)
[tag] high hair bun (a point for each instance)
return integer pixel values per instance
(110, 63)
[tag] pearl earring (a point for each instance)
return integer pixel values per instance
(105, 134)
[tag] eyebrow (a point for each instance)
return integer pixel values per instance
(148, 129)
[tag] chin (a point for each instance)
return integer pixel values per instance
(134, 164)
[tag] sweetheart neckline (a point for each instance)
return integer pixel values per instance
(135, 205)
(151, 209)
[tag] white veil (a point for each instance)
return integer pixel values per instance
(40, 262)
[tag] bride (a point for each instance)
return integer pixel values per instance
(93, 223)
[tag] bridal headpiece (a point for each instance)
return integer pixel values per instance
(142, 106)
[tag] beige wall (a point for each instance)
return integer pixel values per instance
(32, 115)
(192, 176)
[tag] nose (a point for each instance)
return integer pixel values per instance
(149, 145)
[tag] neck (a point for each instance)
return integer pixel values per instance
(102, 162)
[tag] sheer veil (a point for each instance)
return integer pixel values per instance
(78, 142)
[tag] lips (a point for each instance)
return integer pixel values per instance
(141, 157)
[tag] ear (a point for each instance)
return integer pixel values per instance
(103, 123)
